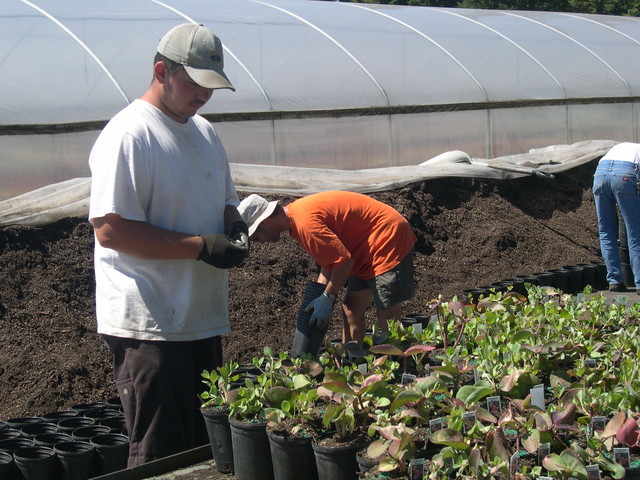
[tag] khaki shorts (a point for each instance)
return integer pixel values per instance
(389, 288)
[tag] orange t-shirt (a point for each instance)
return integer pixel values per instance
(335, 226)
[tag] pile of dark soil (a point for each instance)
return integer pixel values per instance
(470, 232)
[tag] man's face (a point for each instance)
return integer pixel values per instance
(182, 97)
(267, 231)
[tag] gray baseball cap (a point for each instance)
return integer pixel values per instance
(200, 51)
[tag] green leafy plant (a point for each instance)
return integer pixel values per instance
(350, 398)
(219, 383)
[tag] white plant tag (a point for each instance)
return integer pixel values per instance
(537, 396)
(407, 378)
(416, 468)
(468, 420)
(436, 424)
(598, 424)
(494, 405)
(593, 472)
(622, 456)
(513, 464)
(543, 451)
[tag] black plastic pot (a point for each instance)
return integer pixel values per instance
(531, 279)
(516, 284)
(10, 445)
(545, 279)
(308, 338)
(588, 274)
(292, 457)
(574, 282)
(36, 463)
(112, 453)
(20, 422)
(601, 275)
(251, 451)
(55, 417)
(115, 424)
(84, 434)
(364, 462)
(76, 460)
(219, 431)
(473, 294)
(337, 462)
(102, 413)
(421, 318)
(560, 279)
(6, 464)
(632, 473)
(8, 433)
(51, 439)
(68, 425)
(38, 428)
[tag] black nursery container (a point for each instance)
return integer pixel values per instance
(308, 338)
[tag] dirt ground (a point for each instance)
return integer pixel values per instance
(470, 232)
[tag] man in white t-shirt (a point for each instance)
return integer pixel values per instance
(163, 208)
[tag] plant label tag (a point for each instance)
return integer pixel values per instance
(622, 456)
(433, 319)
(543, 451)
(513, 464)
(417, 327)
(593, 472)
(436, 424)
(407, 379)
(468, 420)
(590, 363)
(416, 468)
(494, 405)
(580, 297)
(544, 478)
(621, 299)
(598, 424)
(537, 396)
(477, 375)
(362, 368)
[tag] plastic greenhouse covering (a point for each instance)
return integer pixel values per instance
(328, 94)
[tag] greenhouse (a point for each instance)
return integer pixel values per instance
(320, 84)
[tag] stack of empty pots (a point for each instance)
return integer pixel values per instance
(66, 445)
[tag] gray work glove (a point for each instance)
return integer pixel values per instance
(322, 307)
(221, 251)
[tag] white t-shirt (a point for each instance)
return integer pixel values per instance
(626, 151)
(147, 167)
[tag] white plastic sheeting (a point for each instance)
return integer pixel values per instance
(71, 198)
(318, 84)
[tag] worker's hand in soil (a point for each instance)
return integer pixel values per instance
(322, 307)
(222, 251)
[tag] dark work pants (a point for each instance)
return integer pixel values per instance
(159, 383)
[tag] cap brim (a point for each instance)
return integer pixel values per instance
(209, 78)
(267, 213)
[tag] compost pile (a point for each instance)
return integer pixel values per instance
(471, 232)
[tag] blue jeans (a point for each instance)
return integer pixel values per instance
(614, 184)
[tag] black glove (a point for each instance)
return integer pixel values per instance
(239, 232)
(221, 251)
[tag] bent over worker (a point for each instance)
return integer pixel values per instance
(358, 242)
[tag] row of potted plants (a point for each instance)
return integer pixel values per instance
(533, 386)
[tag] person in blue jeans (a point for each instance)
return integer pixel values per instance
(616, 186)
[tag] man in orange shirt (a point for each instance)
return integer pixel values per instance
(357, 241)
